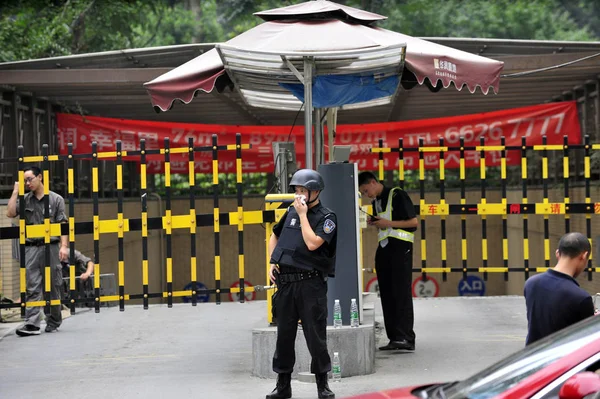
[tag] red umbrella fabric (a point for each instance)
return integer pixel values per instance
(336, 27)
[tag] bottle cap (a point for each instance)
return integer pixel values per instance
(335, 354)
(353, 299)
(337, 300)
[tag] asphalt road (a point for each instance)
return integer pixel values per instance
(206, 351)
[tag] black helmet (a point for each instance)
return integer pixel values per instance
(308, 178)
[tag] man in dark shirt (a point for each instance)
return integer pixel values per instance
(554, 299)
(396, 221)
(302, 253)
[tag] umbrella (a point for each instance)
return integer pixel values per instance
(323, 52)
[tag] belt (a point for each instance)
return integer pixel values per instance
(295, 277)
(39, 243)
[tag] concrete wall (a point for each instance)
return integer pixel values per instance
(254, 245)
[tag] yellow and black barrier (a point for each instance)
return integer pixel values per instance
(122, 225)
(483, 208)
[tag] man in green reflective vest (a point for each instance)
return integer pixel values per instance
(394, 216)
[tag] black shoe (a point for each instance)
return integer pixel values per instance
(323, 387)
(283, 389)
(398, 345)
(51, 329)
(28, 330)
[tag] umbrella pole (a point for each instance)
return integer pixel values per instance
(308, 69)
(318, 137)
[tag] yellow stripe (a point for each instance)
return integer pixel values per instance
(421, 169)
(215, 168)
(119, 177)
(493, 269)
(95, 180)
(39, 230)
(179, 150)
(595, 146)
(21, 182)
(442, 173)
(444, 249)
(550, 147)
(70, 181)
(217, 267)
(216, 227)
(526, 248)
(169, 270)
(505, 248)
(463, 251)
(544, 168)
(145, 272)
(110, 154)
(524, 168)
(433, 149)
(383, 149)
(47, 182)
(191, 173)
(120, 225)
(47, 278)
(423, 250)
(503, 168)
(484, 253)
(144, 224)
(240, 221)
(33, 304)
(167, 222)
(47, 230)
(241, 265)
(566, 167)
(96, 222)
(22, 230)
(401, 169)
(235, 146)
(380, 164)
(167, 174)
(546, 249)
(490, 148)
(238, 168)
(72, 277)
(97, 273)
(586, 167)
(541, 269)
(23, 279)
(435, 269)
(71, 229)
(37, 158)
(121, 272)
(482, 167)
(112, 298)
(462, 168)
(193, 273)
(193, 221)
(143, 176)
(178, 293)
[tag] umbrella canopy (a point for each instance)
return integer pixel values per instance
(326, 29)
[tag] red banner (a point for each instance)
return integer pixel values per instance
(553, 120)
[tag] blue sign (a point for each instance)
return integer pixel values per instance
(200, 296)
(472, 286)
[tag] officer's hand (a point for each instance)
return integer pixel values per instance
(300, 207)
(274, 269)
(84, 276)
(380, 223)
(16, 188)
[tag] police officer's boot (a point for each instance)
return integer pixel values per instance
(323, 387)
(283, 389)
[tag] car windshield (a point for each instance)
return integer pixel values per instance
(517, 367)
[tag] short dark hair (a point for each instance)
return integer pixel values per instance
(572, 245)
(34, 169)
(366, 177)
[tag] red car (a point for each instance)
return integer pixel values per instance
(565, 365)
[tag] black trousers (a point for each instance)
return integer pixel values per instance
(394, 276)
(307, 301)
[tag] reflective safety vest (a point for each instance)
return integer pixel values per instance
(391, 232)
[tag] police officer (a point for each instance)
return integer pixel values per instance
(302, 251)
(397, 222)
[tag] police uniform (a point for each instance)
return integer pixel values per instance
(302, 287)
(80, 262)
(393, 264)
(35, 259)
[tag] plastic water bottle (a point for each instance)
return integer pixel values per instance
(354, 322)
(336, 368)
(337, 314)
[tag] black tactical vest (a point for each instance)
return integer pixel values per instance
(291, 250)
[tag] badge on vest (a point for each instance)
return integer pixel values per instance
(293, 222)
(328, 226)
